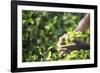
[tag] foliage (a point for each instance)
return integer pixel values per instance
(76, 54)
(40, 33)
(74, 35)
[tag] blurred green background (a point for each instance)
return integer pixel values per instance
(41, 31)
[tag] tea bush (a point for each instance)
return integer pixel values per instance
(40, 33)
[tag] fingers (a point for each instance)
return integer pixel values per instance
(62, 38)
(61, 43)
(63, 46)
(70, 47)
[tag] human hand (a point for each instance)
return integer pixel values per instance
(62, 40)
(74, 42)
(76, 45)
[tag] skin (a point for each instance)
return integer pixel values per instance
(82, 26)
(84, 23)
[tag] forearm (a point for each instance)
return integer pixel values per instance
(84, 23)
(82, 44)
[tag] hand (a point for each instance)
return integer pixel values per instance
(77, 44)
(62, 40)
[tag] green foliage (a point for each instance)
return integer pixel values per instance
(40, 33)
(77, 55)
(74, 35)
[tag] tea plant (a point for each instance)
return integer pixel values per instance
(40, 33)
(75, 54)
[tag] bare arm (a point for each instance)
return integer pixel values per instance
(84, 23)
